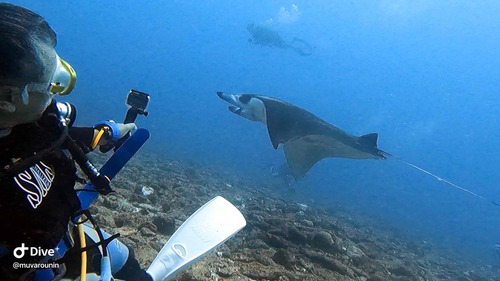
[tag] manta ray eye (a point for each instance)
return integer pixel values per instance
(244, 99)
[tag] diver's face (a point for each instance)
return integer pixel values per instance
(19, 106)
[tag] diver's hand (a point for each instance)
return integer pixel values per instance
(102, 184)
(125, 128)
(108, 132)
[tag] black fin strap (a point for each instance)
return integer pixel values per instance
(90, 218)
(104, 242)
(74, 251)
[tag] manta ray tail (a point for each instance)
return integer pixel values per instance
(441, 179)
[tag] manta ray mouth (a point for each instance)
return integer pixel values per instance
(234, 109)
(229, 98)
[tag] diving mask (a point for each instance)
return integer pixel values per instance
(62, 82)
(20, 105)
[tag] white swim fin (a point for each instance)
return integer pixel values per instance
(210, 226)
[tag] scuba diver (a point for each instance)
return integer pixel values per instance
(46, 231)
(36, 175)
(266, 37)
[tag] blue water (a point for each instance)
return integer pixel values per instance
(422, 74)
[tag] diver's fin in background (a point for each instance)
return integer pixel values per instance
(301, 47)
(211, 225)
(441, 179)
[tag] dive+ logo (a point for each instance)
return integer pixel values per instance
(19, 252)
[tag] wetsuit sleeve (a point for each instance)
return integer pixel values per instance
(83, 136)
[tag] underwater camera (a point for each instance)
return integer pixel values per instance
(138, 101)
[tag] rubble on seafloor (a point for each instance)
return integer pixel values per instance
(283, 240)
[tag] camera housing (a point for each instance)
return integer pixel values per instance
(138, 101)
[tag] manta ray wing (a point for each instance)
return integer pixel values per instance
(303, 153)
(286, 122)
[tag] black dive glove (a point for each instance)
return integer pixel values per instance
(102, 184)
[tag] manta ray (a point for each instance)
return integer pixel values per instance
(307, 139)
(266, 37)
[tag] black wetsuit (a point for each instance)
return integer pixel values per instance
(36, 203)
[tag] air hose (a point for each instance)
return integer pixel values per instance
(81, 233)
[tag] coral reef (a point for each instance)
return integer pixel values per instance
(283, 240)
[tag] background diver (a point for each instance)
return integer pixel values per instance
(266, 37)
(39, 147)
